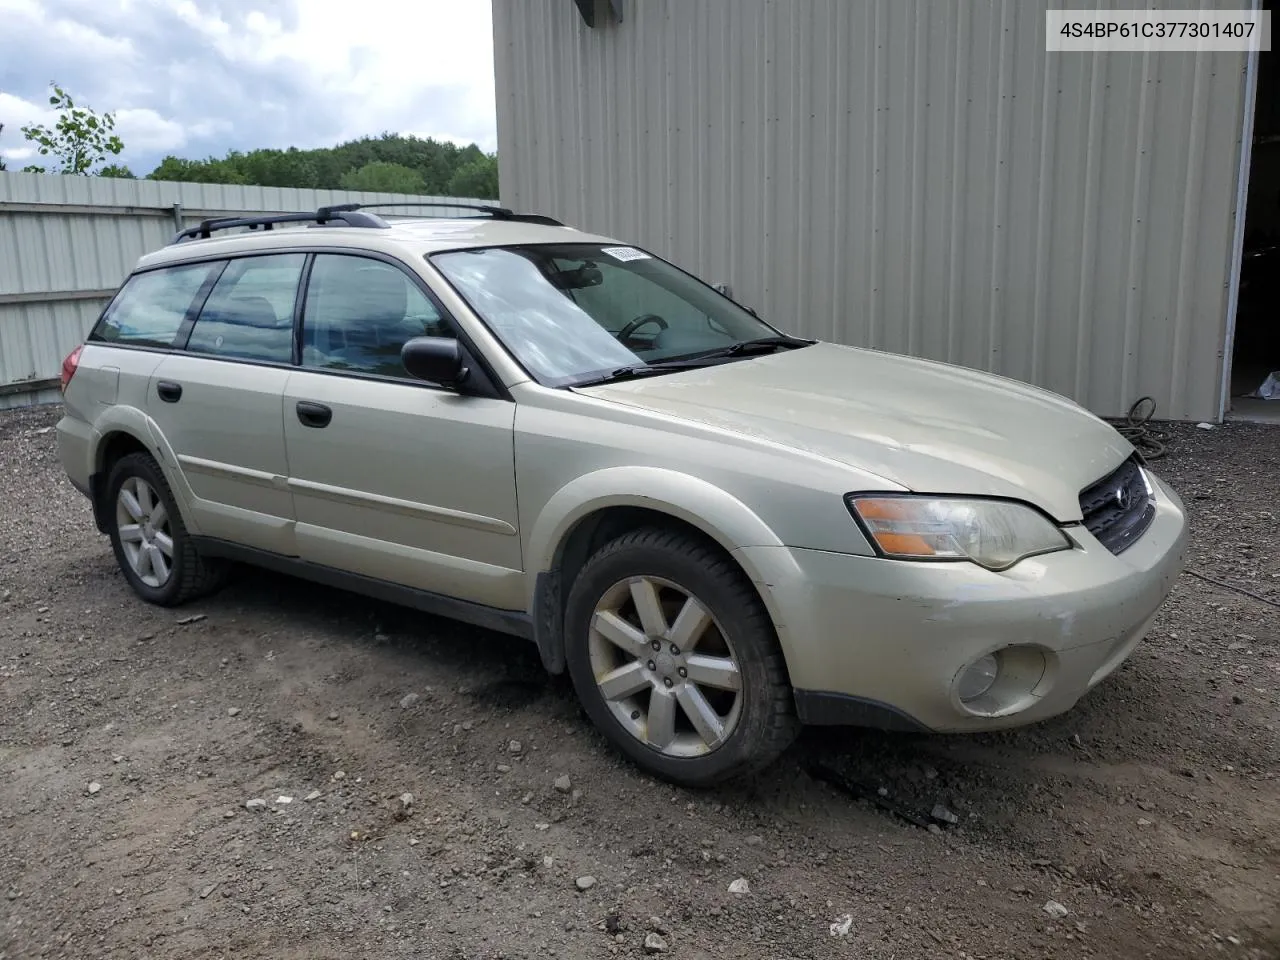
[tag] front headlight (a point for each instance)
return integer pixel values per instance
(995, 534)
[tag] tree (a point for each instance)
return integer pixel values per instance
(381, 177)
(117, 170)
(278, 168)
(1, 158)
(387, 163)
(79, 140)
(198, 171)
(476, 178)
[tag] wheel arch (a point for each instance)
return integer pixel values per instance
(591, 510)
(120, 431)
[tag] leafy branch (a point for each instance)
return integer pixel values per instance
(80, 139)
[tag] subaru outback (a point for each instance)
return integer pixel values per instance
(720, 530)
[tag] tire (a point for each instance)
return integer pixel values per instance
(187, 575)
(629, 689)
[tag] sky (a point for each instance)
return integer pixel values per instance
(196, 78)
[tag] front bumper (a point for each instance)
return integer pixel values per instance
(884, 642)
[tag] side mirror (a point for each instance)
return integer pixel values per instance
(435, 359)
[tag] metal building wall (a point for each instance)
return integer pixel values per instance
(914, 176)
(66, 243)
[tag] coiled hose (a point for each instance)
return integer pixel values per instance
(1136, 427)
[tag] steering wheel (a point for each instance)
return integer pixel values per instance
(640, 321)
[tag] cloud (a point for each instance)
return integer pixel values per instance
(145, 130)
(16, 112)
(199, 77)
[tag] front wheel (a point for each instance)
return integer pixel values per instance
(675, 659)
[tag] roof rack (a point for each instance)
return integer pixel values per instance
(325, 215)
(348, 215)
(494, 212)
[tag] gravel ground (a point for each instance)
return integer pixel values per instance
(132, 737)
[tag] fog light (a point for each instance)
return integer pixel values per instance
(978, 678)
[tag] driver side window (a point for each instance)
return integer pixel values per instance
(359, 312)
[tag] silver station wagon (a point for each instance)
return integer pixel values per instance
(721, 531)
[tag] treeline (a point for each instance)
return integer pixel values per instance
(389, 163)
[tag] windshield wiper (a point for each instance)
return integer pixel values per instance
(748, 348)
(763, 345)
(711, 358)
(642, 370)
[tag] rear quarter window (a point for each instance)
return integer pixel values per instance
(150, 307)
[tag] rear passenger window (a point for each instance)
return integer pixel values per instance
(249, 313)
(151, 306)
(359, 313)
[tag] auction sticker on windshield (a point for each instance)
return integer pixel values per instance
(625, 253)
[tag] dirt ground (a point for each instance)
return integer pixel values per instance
(131, 739)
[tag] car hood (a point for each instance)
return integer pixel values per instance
(926, 426)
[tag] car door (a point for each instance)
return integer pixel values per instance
(393, 478)
(218, 403)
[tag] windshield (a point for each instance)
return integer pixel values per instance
(571, 312)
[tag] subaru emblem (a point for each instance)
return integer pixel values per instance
(1124, 497)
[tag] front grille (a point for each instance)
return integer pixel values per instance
(1118, 508)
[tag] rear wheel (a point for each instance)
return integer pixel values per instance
(151, 544)
(675, 659)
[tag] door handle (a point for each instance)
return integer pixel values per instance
(313, 414)
(169, 391)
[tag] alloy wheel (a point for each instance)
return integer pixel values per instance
(143, 526)
(664, 667)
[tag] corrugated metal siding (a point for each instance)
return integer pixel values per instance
(62, 235)
(920, 177)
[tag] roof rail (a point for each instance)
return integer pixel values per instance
(350, 215)
(494, 212)
(325, 215)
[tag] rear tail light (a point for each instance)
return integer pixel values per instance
(69, 366)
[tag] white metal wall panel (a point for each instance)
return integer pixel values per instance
(62, 236)
(914, 176)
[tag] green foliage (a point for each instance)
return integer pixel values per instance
(198, 171)
(278, 168)
(79, 140)
(381, 160)
(116, 170)
(378, 176)
(476, 178)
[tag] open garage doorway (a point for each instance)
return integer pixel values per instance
(1255, 352)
